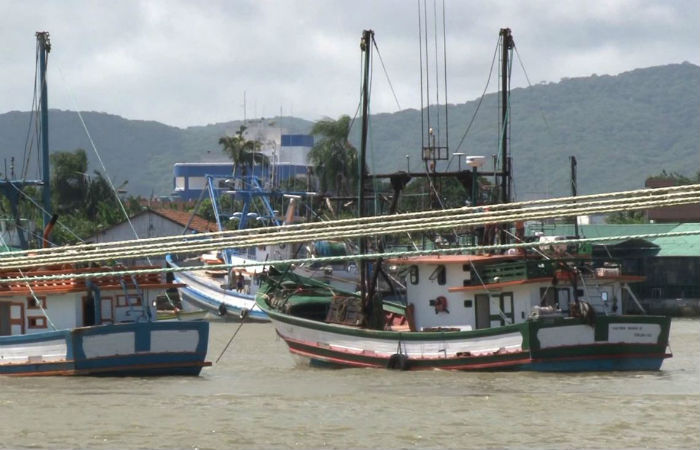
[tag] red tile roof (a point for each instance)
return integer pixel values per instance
(198, 223)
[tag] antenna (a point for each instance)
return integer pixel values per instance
(435, 146)
(245, 118)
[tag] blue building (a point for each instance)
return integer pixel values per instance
(288, 160)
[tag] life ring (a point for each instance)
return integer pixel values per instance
(397, 361)
(441, 305)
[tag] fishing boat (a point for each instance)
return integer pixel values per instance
(473, 312)
(72, 319)
(230, 292)
(542, 308)
(224, 282)
(91, 322)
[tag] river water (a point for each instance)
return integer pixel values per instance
(258, 396)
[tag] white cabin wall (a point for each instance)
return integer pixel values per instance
(61, 309)
(524, 298)
(426, 290)
(122, 312)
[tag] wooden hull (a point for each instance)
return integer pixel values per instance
(128, 349)
(561, 344)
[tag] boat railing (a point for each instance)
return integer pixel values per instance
(517, 270)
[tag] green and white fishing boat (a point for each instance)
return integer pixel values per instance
(463, 312)
(544, 309)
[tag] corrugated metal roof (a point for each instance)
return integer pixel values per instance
(669, 246)
(680, 245)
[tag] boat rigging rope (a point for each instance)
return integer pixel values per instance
(10, 279)
(37, 300)
(336, 224)
(244, 317)
(41, 208)
(285, 235)
(214, 244)
(381, 61)
(277, 235)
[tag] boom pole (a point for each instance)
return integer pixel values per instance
(507, 45)
(365, 45)
(44, 44)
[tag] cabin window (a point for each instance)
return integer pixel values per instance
(134, 300)
(413, 274)
(467, 303)
(33, 304)
(439, 275)
(36, 322)
(196, 183)
(466, 268)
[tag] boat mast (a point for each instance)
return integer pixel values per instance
(507, 45)
(44, 44)
(365, 45)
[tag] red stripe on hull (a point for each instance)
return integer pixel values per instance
(441, 363)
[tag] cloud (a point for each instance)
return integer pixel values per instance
(189, 63)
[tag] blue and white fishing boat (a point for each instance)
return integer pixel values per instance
(70, 320)
(231, 293)
(93, 323)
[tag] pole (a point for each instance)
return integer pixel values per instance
(44, 48)
(573, 189)
(506, 46)
(366, 42)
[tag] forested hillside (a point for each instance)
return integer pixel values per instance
(620, 128)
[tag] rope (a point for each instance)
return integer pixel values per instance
(383, 255)
(41, 208)
(104, 168)
(386, 73)
(283, 237)
(517, 206)
(37, 300)
(277, 235)
(341, 232)
(243, 320)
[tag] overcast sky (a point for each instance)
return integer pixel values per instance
(187, 63)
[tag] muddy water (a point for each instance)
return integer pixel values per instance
(258, 396)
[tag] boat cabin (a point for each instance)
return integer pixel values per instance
(468, 292)
(39, 306)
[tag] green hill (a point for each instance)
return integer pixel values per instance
(621, 129)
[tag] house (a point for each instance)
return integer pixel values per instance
(288, 159)
(673, 214)
(155, 222)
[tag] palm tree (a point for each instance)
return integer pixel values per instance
(243, 153)
(334, 158)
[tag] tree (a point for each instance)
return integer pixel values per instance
(334, 158)
(243, 153)
(69, 180)
(676, 178)
(626, 217)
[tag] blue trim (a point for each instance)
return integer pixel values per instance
(596, 365)
(141, 362)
